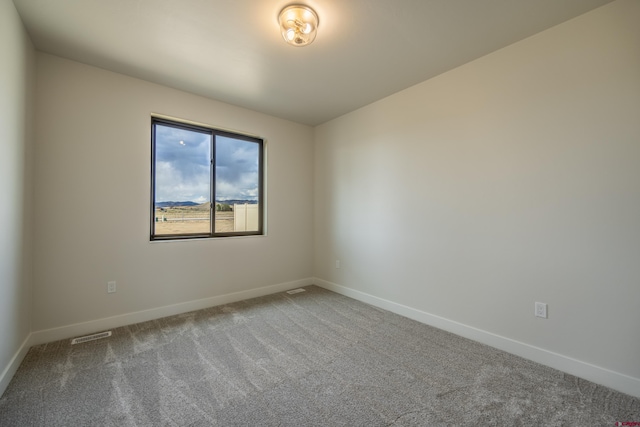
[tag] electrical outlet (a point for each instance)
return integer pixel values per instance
(541, 310)
(337, 263)
(111, 287)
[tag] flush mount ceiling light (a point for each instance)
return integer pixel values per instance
(298, 24)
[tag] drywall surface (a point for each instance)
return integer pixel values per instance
(17, 77)
(93, 159)
(510, 180)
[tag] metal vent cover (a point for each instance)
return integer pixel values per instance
(91, 337)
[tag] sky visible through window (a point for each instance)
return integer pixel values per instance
(183, 167)
(236, 169)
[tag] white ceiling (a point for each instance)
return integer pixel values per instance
(232, 50)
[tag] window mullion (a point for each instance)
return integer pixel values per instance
(212, 181)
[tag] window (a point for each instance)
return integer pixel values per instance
(204, 182)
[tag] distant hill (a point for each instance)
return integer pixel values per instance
(237, 202)
(203, 205)
(173, 204)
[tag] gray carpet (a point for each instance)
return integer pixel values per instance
(310, 359)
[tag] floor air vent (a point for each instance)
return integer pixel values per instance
(295, 291)
(93, 337)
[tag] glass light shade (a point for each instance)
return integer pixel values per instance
(298, 24)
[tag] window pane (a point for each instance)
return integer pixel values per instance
(237, 185)
(182, 181)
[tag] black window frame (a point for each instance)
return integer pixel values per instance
(214, 133)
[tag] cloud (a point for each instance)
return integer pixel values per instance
(236, 169)
(183, 166)
(171, 185)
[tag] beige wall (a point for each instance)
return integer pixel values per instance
(17, 68)
(512, 179)
(92, 186)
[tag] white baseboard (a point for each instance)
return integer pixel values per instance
(12, 367)
(69, 331)
(596, 374)
(84, 328)
(587, 371)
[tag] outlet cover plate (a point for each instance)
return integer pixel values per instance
(541, 310)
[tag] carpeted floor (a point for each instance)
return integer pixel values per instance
(310, 359)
